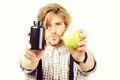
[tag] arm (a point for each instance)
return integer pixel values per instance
(85, 61)
(82, 55)
(89, 63)
(27, 64)
(30, 58)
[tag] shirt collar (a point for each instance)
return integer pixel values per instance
(62, 49)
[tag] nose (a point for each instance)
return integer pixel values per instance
(53, 29)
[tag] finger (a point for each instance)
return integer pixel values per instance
(29, 54)
(29, 34)
(81, 30)
(81, 43)
(82, 48)
(29, 37)
(38, 53)
(28, 45)
(83, 36)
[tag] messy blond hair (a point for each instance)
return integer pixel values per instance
(46, 12)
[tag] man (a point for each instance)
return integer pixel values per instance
(56, 61)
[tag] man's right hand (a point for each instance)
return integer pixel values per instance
(30, 58)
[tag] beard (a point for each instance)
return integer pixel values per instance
(56, 41)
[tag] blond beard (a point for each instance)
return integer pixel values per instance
(55, 43)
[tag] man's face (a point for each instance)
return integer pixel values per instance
(55, 30)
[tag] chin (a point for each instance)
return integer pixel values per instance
(55, 43)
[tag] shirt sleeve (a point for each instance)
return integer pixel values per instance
(29, 74)
(27, 71)
(89, 71)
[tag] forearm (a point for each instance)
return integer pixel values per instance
(28, 64)
(89, 64)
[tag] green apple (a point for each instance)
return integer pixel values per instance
(71, 38)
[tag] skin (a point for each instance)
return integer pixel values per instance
(54, 32)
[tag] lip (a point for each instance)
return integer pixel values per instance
(53, 36)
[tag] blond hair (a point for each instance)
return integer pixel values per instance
(46, 12)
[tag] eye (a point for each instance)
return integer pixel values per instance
(58, 23)
(48, 26)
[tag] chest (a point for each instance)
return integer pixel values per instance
(56, 65)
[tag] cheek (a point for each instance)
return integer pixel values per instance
(47, 35)
(61, 31)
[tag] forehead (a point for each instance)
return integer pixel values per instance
(53, 18)
(56, 18)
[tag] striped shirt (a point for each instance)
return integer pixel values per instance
(55, 66)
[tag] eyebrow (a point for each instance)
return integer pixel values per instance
(59, 22)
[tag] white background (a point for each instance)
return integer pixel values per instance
(99, 18)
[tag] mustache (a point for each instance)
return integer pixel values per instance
(53, 35)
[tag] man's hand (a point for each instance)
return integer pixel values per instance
(32, 55)
(79, 52)
(30, 58)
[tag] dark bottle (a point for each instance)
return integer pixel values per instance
(37, 37)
